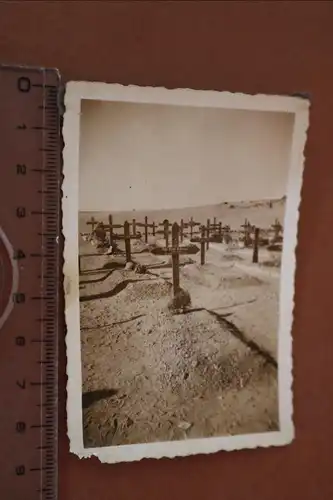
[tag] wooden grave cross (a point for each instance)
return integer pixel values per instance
(255, 257)
(175, 258)
(202, 245)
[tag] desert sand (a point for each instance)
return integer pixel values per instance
(150, 375)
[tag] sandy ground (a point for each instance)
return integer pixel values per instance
(149, 375)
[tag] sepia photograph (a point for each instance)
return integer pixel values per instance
(180, 214)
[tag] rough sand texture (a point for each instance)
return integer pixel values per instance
(150, 376)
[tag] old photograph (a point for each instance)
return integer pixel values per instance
(180, 223)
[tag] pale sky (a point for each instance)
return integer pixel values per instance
(147, 156)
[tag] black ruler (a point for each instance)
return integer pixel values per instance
(29, 281)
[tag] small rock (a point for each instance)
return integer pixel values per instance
(140, 269)
(185, 426)
(129, 266)
(129, 422)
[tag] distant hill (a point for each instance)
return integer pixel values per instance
(261, 213)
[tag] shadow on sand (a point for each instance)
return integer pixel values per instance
(111, 293)
(113, 324)
(236, 332)
(167, 265)
(88, 398)
(112, 266)
(197, 309)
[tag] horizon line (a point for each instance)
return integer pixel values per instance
(261, 200)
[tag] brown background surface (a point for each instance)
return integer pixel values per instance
(270, 47)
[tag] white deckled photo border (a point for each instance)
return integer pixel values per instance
(77, 91)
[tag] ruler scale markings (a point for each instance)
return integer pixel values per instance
(34, 111)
